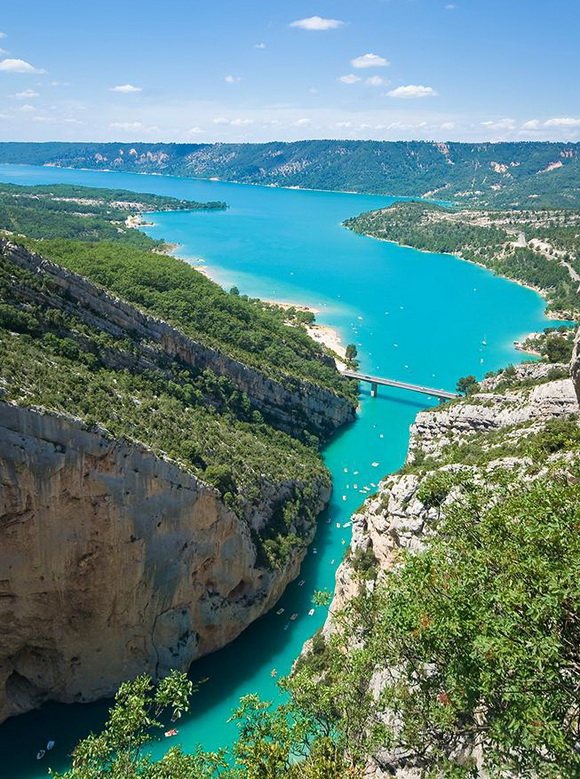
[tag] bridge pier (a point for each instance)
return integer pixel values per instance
(374, 389)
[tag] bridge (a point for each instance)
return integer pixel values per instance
(374, 381)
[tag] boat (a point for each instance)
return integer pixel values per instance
(338, 524)
(273, 673)
(301, 582)
(280, 611)
(40, 754)
(293, 617)
(50, 745)
(172, 732)
(311, 612)
(315, 551)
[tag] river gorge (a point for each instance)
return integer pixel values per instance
(417, 317)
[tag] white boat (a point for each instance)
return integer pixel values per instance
(40, 754)
(311, 612)
(50, 744)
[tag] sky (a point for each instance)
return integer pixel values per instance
(261, 70)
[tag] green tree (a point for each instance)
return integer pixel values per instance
(467, 384)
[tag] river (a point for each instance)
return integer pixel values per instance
(418, 317)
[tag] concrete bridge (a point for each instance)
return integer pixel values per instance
(374, 381)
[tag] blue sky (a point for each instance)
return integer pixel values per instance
(259, 70)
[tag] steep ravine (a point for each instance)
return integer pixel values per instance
(115, 560)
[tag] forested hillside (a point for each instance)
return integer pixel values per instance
(84, 213)
(520, 174)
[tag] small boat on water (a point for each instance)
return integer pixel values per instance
(50, 745)
(315, 551)
(301, 582)
(172, 732)
(293, 617)
(40, 754)
(311, 612)
(280, 611)
(273, 673)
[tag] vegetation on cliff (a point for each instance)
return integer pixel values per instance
(499, 174)
(538, 248)
(55, 356)
(459, 660)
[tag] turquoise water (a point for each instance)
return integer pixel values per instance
(414, 316)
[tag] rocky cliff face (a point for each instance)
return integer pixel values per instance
(495, 420)
(291, 404)
(575, 365)
(115, 562)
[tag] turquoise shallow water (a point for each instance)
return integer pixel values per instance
(414, 316)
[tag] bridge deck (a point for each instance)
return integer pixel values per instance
(438, 393)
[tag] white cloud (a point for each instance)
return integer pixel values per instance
(2, 34)
(317, 23)
(369, 61)
(126, 89)
(500, 124)
(375, 81)
(18, 66)
(447, 126)
(313, 91)
(562, 121)
(349, 79)
(3, 51)
(259, 45)
(27, 109)
(232, 79)
(344, 125)
(302, 122)
(28, 94)
(237, 122)
(43, 119)
(450, 7)
(412, 92)
(126, 125)
(532, 124)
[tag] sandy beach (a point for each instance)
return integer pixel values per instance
(328, 336)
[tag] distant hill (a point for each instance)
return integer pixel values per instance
(516, 175)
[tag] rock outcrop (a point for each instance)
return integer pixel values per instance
(575, 364)
(115, 562)
(395, 518)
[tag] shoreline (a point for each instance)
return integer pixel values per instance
(325, 335)
(555, 316)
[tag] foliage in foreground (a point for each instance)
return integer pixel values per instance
(473, 642)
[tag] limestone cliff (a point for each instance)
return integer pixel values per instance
(115, 559)
(115, 562)
(479, 437)
(575, 365)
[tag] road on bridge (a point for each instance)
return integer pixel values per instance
(374, 381)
